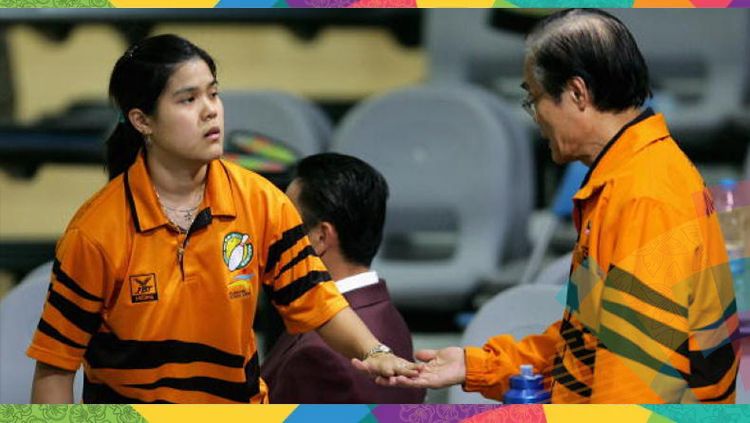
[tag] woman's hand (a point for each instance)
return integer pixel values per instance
(443, 368)
(387, 366)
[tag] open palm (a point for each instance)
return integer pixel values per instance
(442, 368)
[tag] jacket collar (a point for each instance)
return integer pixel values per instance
(144, 205)
(367, 295)
(637, 134)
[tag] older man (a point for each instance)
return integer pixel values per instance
(650, 313)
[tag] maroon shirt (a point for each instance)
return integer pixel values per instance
(302, 369)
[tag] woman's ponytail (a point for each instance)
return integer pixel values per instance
(122, 149)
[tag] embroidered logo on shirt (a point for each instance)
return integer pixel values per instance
(143, 288)
(237, 250)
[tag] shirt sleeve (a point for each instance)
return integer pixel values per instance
(295, 279)
(667, 310)
(72, 312)
(489, 368)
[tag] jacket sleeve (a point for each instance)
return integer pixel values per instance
(667, 309)
(489, 368)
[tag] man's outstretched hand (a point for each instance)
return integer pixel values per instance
(441, 368)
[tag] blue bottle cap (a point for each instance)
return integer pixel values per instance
(728, 184)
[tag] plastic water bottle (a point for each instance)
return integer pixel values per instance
(732, 219)
(527, 388)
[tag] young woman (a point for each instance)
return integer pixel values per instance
(156, 279)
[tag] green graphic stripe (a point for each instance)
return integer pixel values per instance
(69, 414)
(620, 345)
(623, 281)
(659, 332)
(55, 3)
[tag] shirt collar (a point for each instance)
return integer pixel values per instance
(645, 129)
(357, 281)
(144, 205)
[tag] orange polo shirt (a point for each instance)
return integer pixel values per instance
(160, 316)
(650, 315)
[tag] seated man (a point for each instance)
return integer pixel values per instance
(342, 203)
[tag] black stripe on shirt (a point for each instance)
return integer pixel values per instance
(99, 393)
(47, 329)
(305, 253)
(288, 239)
(708, 369)
(563, 376)
(85, 320)
(232, 391)
(729, 391)
(299, 287)
(574, 340)
(71, 284)
(252, 375)
(107, 351)
(240, 392)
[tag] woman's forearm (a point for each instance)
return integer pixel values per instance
(347, 334)
(52, 385)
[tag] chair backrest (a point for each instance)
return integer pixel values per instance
(447, 157)
(19, 315)
(556, 273)
(463, 46)
(701, 86)
(518, 311)
(524, 175)
(284, 117)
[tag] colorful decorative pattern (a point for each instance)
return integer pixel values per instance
(372, 413)
(375, 3)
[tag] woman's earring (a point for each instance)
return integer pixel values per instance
(147, 140)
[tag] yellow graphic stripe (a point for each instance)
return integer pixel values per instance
(588, 413)
(456, 3)
(164, 3)
(276, 413)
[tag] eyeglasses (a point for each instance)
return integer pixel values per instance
(529, 105)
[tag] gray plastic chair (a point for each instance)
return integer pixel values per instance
(697, 61)
(447, 156)
(20, 311)
(524, 176)
(292, 120)
(519, 311)
(462, 46)
(555, 273)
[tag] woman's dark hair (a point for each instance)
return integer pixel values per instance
(348, 193)
(595, 46)
(137, 81)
